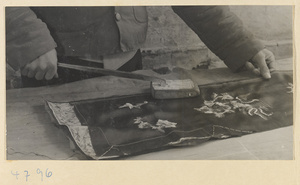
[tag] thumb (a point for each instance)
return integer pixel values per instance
(56, 75)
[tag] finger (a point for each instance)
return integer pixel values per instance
(30, 69)
(250, 67)
(42, 66)
(50, 74)
(56, 75)
(264, 70)
(272, 66)
(31, 73)
(24, 71)
(270, 56)
(39, 75)
(270, 59)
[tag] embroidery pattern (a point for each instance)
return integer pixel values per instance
(65, 115)
(290, 87)
(131, 106)
(221, 136)
(224, 104)
(160, 124)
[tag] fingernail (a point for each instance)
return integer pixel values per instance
(256, 71)
(267, 75)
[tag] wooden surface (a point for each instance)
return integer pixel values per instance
(32, 135)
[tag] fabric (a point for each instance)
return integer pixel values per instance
(131, 125)
(91, 32)
(26, 37)
(95, 31)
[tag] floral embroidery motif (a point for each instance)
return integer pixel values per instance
(130, 106)
(215, 107)
(224, 104)
(160, 124)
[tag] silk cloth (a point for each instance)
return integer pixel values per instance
(129, 125)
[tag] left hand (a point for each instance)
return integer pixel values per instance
(263, 63)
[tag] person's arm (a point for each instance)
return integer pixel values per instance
(224, 34)
(29, 45)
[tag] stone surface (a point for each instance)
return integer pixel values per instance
(267, 22)
(166, 29)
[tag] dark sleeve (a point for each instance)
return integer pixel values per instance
(27, 37)
(222, 32)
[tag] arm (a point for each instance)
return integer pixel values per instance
(223, 33)
(27, 41)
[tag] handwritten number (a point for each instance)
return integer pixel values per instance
(48, 174)
(16, 174)
(38, 171)
(26, 175)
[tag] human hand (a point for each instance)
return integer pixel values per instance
(262, 63)
(43, 67)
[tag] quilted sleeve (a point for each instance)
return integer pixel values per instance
(222, 32)
(27, 37)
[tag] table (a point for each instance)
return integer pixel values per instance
(31, 134)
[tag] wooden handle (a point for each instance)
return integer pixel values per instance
(111, 72)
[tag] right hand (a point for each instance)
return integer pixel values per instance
(44, 67)
(263, 63)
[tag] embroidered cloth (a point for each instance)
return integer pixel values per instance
(130, 125)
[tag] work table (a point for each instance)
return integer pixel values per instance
(32, 135)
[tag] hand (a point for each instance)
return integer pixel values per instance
(43, 67)
(262, 63)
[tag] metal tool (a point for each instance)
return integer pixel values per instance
(160, 88)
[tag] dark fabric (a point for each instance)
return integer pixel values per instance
(109, 119)
(133, 25)
(71, 75)
(82, 31)
(27, 37)
(222, 32)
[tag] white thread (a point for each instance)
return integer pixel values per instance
(131, 106)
